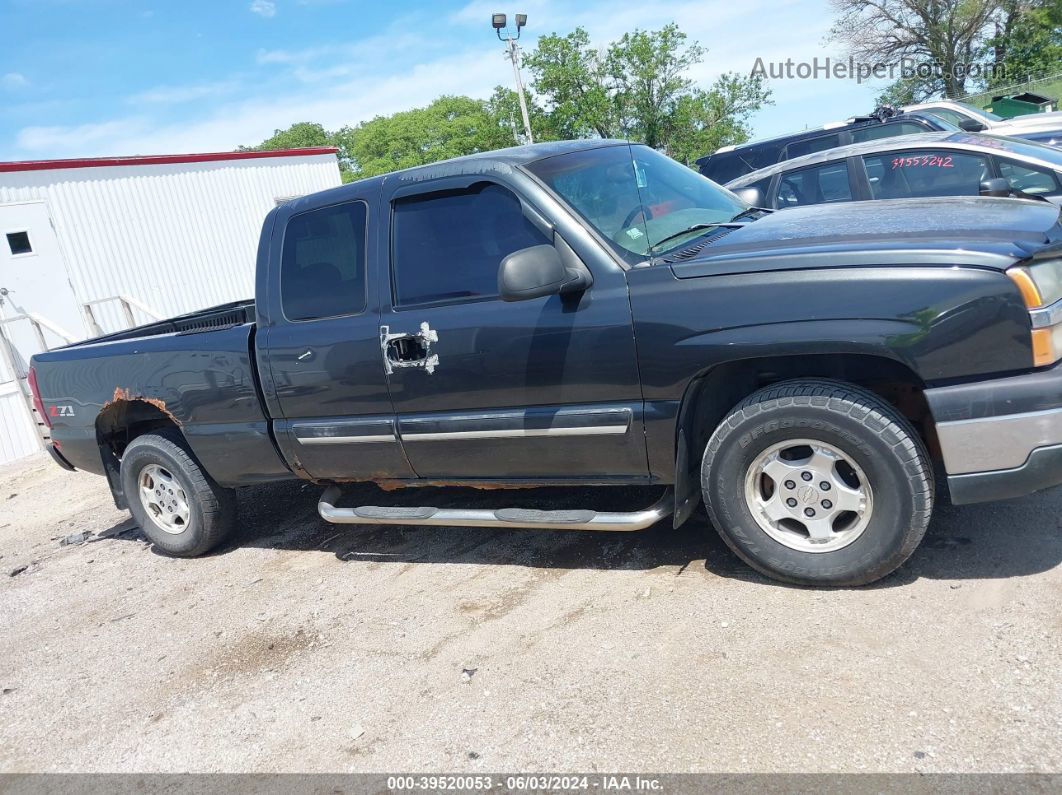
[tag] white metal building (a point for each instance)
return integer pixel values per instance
(93, 245)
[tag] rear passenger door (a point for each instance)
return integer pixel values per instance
(539, 389)
(318, 344)
(923, 172)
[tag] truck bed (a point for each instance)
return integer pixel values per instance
(196, 370)
(215, 317)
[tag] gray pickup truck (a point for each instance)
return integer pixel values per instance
(593, 313)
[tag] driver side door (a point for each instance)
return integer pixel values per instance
(545, 388)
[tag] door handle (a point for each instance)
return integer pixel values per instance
(409, 349)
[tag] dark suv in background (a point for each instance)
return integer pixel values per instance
(731, 162)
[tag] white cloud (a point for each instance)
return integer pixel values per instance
(173, 95)
(14, 80)
(334, 104)
(79, 138)
(264, 8)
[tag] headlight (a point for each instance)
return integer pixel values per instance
(1040, 284)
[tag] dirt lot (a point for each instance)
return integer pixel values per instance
(303, 646)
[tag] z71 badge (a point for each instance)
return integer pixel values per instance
(61, 411)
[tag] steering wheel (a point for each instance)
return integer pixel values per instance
(645, 212)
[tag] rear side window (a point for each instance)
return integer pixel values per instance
(820, 144)
(879, 131)
(448, 246)
(1028, 179)
(898, 175)
(724, 167)
(322, 268)
(828, 183)
(949, 115)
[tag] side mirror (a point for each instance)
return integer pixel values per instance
(537, 271)
(971, 125)
(997, 186)
(751, 196)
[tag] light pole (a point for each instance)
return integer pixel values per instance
(498, 22)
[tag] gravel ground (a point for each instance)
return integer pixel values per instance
(303, 646)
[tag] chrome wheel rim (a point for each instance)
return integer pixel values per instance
(809, 495)
(163, 499)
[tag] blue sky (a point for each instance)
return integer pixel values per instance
(111, 77)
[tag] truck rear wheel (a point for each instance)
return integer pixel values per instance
(179, 507)
(818, 482)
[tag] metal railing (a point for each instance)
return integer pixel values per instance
(127, 303)
(13, 363)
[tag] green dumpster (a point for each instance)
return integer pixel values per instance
(1010, 105)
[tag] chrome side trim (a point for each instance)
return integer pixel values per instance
(993, 443)
(1047, 316)
(594, 430)
(501, 517)
(344, 439)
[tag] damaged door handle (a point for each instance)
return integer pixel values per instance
(409, 350)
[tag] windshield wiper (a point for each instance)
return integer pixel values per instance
(694, 227)
(750, 210)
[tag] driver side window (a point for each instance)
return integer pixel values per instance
(447, 246)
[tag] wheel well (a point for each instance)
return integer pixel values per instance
(117, 425)
(123, 420)
(711, 396)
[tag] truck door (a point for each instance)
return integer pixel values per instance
(484, 389)
(318, 345)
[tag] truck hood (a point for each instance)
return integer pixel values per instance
(973, 230)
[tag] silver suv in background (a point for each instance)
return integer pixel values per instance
(1045, 128)
(914, 166)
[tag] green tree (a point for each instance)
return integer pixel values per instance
(948, 33)
(504, 107)
(1027, 42)
(571, 76)
(703, 121)
(639, 88)
(450, 126)
(902, 92)
(304, 134)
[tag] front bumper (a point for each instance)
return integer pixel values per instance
(1000, 438)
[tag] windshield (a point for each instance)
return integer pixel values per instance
(636, 197)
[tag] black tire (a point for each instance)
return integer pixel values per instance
(858, 423)
(212, 509)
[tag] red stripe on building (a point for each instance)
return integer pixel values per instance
(158, 160)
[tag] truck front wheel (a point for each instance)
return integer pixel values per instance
(179, 507)
(818, 482)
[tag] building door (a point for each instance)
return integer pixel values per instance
(33, 277)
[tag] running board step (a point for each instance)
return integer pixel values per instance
(499, 517)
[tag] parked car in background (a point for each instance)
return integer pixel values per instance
(1042, 127)
(929, 164)
(592, 313)
(730, 162)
